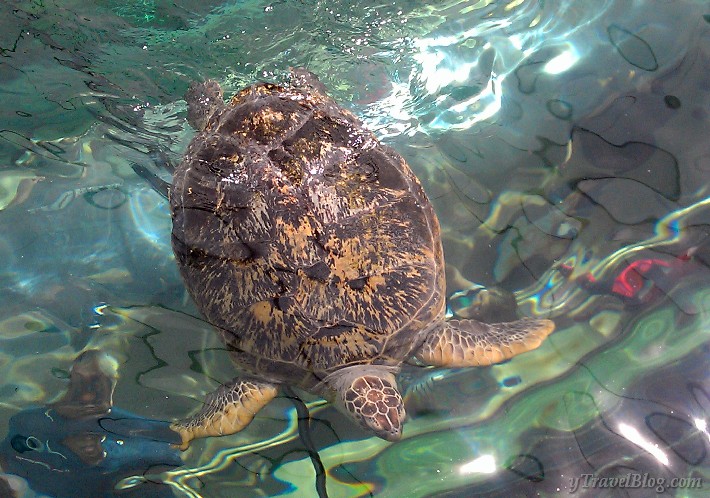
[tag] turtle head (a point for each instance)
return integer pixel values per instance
(368, 393)
(203, 100)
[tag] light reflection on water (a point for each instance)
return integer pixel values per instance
(562, 143)
(461, 66)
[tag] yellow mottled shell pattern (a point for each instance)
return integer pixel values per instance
(306, 242)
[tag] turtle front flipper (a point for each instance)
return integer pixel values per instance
(227, 410)
(469, 343)
(369, 394)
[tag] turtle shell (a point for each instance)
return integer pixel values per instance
(309, 245)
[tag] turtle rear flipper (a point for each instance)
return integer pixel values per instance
(469, 343)
(227, 410)
(203, 100)
(303, 78)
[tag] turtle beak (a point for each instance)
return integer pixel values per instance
(387, 425)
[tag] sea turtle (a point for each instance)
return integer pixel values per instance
(314, 251)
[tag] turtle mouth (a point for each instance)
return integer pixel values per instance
(386, 424)
(387, 429)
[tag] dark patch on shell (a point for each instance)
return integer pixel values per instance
(319, 271)
(357, 283)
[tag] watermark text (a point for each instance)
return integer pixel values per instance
(634, 481)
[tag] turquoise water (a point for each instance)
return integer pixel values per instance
(564, 146)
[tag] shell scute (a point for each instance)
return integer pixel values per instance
(344, 344)
(262, 120)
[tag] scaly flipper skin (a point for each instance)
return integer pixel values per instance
(469, 343)
(369, 394)
(227, 410)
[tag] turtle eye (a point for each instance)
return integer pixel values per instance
(22, 443)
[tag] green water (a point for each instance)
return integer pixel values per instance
(563, 145)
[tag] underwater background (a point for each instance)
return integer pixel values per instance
(566, 149)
